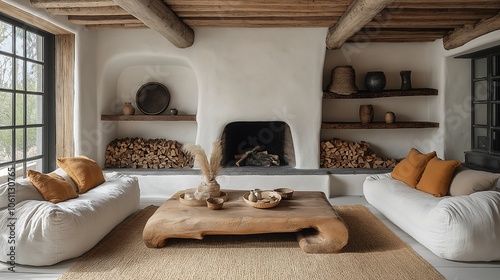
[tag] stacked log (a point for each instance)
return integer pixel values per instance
(151, 153)
(338, 153)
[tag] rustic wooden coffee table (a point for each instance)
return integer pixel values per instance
(305, 211)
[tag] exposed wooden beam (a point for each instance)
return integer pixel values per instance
(31, 19)
(159, 17)
(84, 20)
(70, 3)
(88, 11)
(467, 33)
(116, 26)
(273, 22)
(359, 13)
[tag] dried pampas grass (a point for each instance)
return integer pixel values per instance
(209, 169)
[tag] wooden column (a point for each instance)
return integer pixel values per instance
(359, 13)
(65, 81)
(159, 17)
(461, 36)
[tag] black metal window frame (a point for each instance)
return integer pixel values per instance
(47, 155)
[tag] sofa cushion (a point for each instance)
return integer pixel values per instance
(410, 169)
(85, 172)
(467, 181)
(52, 186)
(437, 176)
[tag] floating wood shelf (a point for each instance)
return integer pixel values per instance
(384, 93)
(377, 125)
(148, 117)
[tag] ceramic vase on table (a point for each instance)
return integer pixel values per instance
(366, 113)
(128, 109)
(375, 81)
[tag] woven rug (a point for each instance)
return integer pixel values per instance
(373, 252)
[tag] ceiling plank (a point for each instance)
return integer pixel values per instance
(461, 36)
(70, 3)
(358, 14)
(120, 19)
(88, 11)
(31, 19)
(159, 17)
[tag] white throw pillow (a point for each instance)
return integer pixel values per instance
(467, 181)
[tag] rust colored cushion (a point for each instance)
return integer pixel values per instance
(51, 186)
(437, 176)
(85, 172)
(410, 169)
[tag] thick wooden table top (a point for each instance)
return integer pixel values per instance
(306, 210)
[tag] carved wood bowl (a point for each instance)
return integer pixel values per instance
(192, 202)
(269, 199)
(285, 193)
(215, 203)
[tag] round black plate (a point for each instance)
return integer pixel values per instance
(152, 98)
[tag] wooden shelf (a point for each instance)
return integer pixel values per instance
(385, 93)
(377, 125)
(148, 117)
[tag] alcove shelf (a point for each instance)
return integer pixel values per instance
(186, 117)
(377, 125)
(363, 94)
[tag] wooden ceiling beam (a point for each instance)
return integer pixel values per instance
(88, 20)
(88, 11)
(261, 22)
(257, 14)
(358, 14)
(260, 8)
(461, 36)
(70, 3)
(116, 26)
(430, 5)
(257, 2)
(158, 16)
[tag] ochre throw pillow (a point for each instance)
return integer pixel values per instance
(467, 181)
(53, 187)
(85, 172)
(437, 176)
(410, 169)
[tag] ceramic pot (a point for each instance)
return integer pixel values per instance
(405, 80)
(212, 188)
(375, 81)
(174, 111)
(128, 109)
(390, 117)
(366, 113)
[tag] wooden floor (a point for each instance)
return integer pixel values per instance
(451, 270)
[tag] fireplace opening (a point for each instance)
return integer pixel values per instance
(257, 144)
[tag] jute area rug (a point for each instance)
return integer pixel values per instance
(373, 252)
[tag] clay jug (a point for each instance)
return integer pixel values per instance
(366, 113)
(390, 117)
(128, 109)
(252, 197)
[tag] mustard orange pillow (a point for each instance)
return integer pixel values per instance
(410, 169)
(51, 186)
(437, 176)
(85, 172)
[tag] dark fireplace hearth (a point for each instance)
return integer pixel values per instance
(257, 144)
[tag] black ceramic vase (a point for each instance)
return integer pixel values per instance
(405, 80)
(375, 81)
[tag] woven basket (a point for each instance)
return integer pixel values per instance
(343, 80)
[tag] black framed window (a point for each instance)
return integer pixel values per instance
(27, 127)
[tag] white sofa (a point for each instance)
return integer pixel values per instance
(461, 228)
(47, 233)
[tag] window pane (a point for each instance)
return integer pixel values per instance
(5, 145)
(35, 141)
(495, 115)
(5, 37)
(4, 174)
(480, 114)
(19, 143)
(496, 66)
(19, 41)
(20, 171)
(35, 165)
(481, 139)
(34, 109)
(5, 72)
(481, 91)
(34, 47)
(496, 90)
(20, 109)
(19, 74)
(34, 77)
(480, 68)
(495, 141)
(5, 108)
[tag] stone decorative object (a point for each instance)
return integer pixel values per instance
(366, 113)
(405, 80)
(174, 111)
(343, 80)
(390, 117)
(128, 109)
(375, 81)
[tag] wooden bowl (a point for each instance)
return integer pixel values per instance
(285, 193)
(267, 200)
(191, 202)
(215, 203)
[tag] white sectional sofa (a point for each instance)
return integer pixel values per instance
(46, 233)
(461, 228)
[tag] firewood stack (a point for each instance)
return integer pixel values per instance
(337, 153)
(141, 153)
